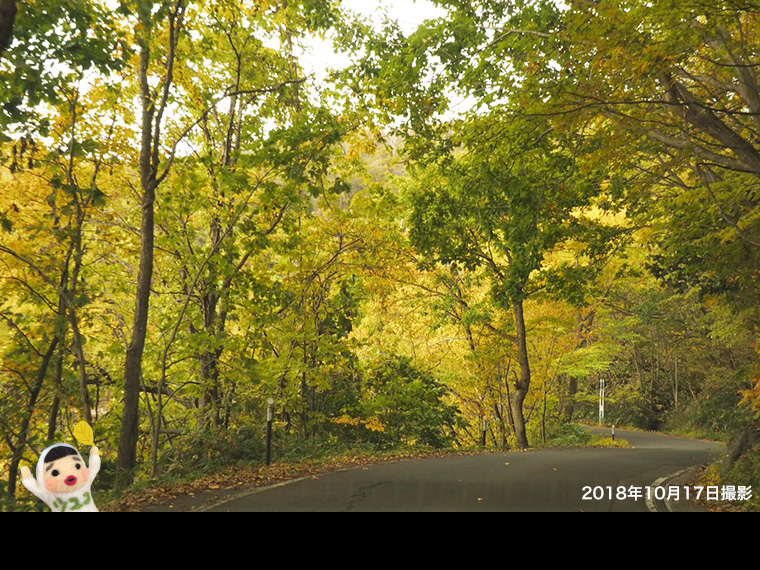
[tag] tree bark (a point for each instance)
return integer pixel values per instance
(54, 409)
(127, 457)
(685, 105)
(522, 384)
(150, 160)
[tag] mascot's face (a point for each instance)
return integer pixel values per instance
(65, 475)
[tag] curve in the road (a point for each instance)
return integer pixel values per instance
(540, 480)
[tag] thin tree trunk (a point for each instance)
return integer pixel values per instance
(127, 457)
(675, 390)
(54, 409)
(215, 324)
(18, 453)
(60, 333)
(543, 419)
(509, 399)
(502, 425)
(522, 384)
(78, 345)
(77, 250)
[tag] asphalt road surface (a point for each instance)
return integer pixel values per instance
(541, 480)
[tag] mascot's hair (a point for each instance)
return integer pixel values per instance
(59, 452)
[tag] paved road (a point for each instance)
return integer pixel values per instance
(541, 480)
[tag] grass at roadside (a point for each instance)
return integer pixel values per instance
(702, 434)
(576, 435)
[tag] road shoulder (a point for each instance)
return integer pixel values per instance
(681, 479)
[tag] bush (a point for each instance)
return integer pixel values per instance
(599, 441)
(570, 435)
(402, 405)
(206, 450)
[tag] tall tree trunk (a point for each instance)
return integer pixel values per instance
(150, 160)
(127, 458)
(215, 298)
(522, 384)
(76, 251)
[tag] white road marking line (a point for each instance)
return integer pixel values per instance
(659, 483)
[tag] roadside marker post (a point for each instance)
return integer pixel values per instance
(270, 419)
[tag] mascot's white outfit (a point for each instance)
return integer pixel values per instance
(60, 502)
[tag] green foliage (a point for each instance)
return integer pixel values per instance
(408, 404)
(715, 413)
(604, 180)
(569, 435)
(55, 43)
(503, 206)
(746, 471)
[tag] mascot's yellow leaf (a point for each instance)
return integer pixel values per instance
(84, 434)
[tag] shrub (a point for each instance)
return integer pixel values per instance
(570, 435)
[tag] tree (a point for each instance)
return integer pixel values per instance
(501, 208)
(52, 190)
(154, 103)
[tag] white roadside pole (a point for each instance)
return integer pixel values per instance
(270, 418)
(602, 384)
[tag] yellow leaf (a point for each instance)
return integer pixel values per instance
(374, 424)
(84, 434)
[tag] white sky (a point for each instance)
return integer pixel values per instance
(408, 13)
